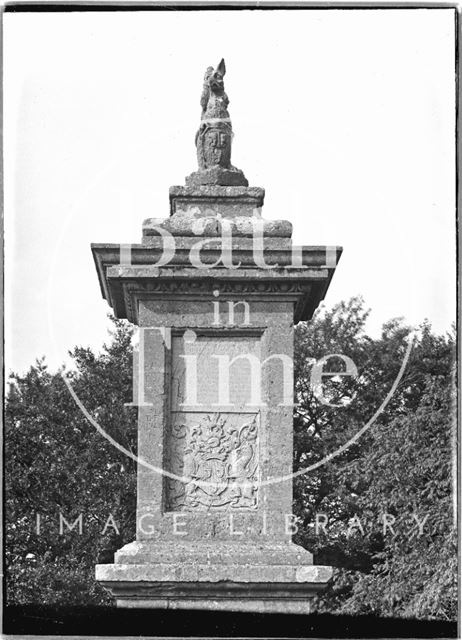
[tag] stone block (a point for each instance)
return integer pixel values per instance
(208, 200)
(217, 175)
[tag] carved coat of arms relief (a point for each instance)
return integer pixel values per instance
(217, 457)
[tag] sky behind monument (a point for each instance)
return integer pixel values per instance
(346, 118)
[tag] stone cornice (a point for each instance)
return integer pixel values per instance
(124, 285)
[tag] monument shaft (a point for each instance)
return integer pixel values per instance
(215, 290)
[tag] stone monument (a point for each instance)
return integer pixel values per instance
(215, 290)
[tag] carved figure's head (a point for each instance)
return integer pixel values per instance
(216, 78)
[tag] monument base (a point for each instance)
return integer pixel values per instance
(273, 579)
(208, 596)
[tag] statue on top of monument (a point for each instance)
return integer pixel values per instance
(214, 101)
(214, 137)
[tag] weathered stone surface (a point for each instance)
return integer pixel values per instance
(217, 191)
(219, 454)
(216, 211)
(265, 553)
(210, 573)
(233, 577)
(264, 597)
(276, 246)
(214, 137)
(202, 226)
(210, 200)
(217, 175)
(125, 286)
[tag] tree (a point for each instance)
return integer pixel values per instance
(58, 466)
(400, 470)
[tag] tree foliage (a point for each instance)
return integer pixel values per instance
(58, 465)
(397, 475)
(399, 469)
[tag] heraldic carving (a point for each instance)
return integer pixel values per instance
(218, 458)
(213, 140)
(214, 137)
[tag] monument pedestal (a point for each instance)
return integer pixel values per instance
(234, 577)
(214, 502)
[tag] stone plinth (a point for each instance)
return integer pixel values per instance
(217, 175)
(208, 200)
(233, 577)
(214, 528)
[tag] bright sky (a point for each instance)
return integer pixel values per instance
(346, 118)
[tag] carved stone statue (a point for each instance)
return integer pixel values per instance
(214, 137)
(214, 101)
